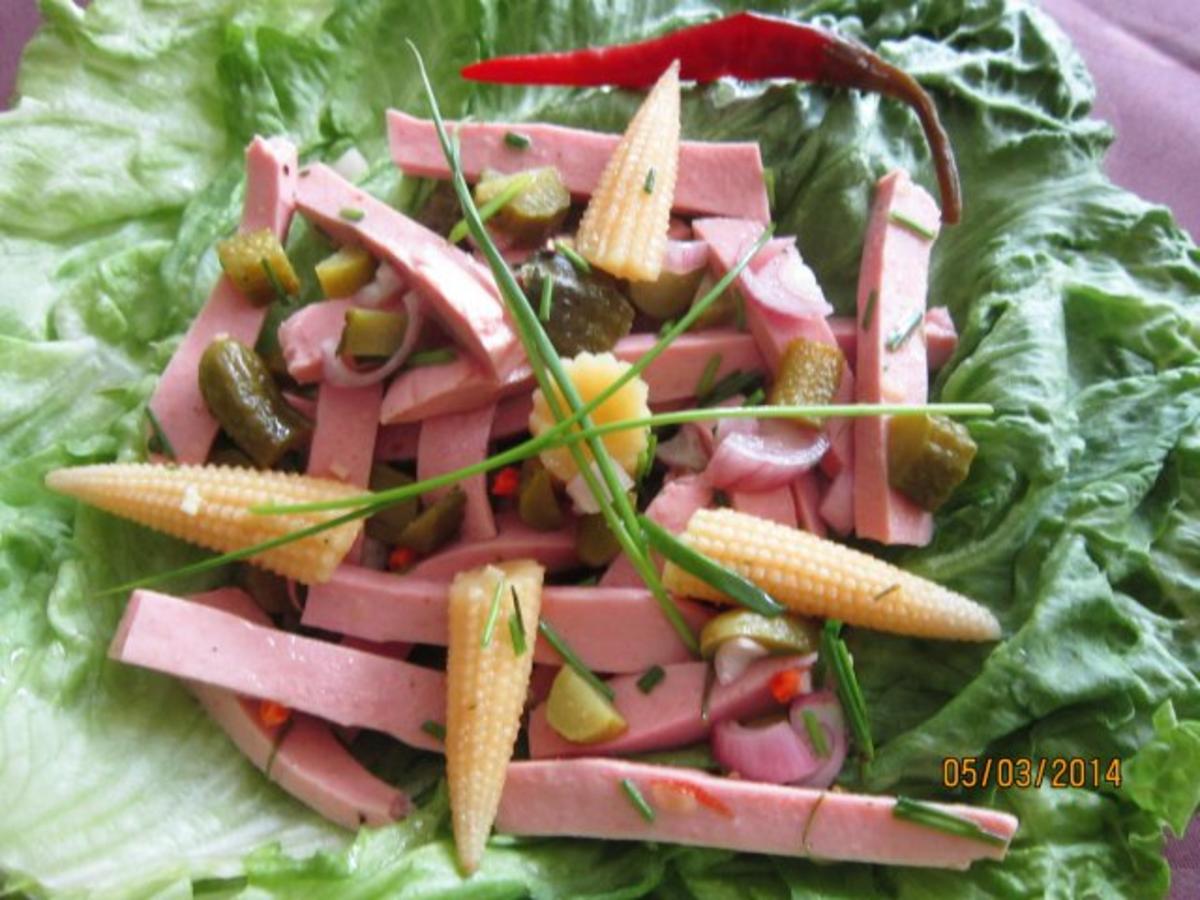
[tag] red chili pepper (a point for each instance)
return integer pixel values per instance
(749, 46)
(401, 558)
(273, 714)
(507, 482)
(785, 685)
(699, 794)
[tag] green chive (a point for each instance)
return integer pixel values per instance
(816, 733)
(665, 327)
(756, 397)
(697, 756)
(352, 213)
(581, 265)
(518, 141)
(648, 184)
(711, 573)
(739, 310)
(638, 801)
(708, 377)
(940, 820)
(516, 626)
(769, 183)
(839, 665)
(547, 298)
(898, 340)
(276, 284)
(512, 189)
(164, 442)
(435, 730)
(436, 357)
(732, 384)
(911, 224)
(651, 679)
(886, 592)
(646, 457)
(869, 312)
(571, 658)
(489, 627)
(590, 581)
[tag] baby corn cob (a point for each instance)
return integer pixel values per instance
(210, 506)
(487, 680)
(624, 228)
(816, 577)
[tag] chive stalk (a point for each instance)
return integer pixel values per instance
(651, 679)
(547, 298)
(518, 141)
(645, 810)
(869, 312)
(648, 184)
(516, 626)
(160, 436)
(489, 627)
(708, 378)
(493, 206)
(939, 820)
(816, 733)
(437, 356)
(352, 213)
(571, 658)
(581, 265)
(840, 666)
(435, 730)
(908, 223)
(900, 338)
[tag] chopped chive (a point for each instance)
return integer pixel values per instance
(665, 327)
(571, 658)
(436, 357)
(276, 284)
(839, 665)
(435, 730)
(160, 436)
(511, 190)
(489, 627)
(911, 224)
(646, 458)
(516, 626)
(711, 573)
(547, 298)
(869, 312)
(939, 820)
(900, 338)
(736, 382)
(651, 679)
(710, 681)
(816, 733)
(590, 581)
(739, 310)
(769, 184)
(708, 378)
(639, 802)
(518, 141)
(756, 397)
(648, 184)
(581, 265)
(697, 756)
(352, 213)
(886, 592)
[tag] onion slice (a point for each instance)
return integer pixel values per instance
(773, 753)
(824, 707)
(337, 373)
(734, 656)
(581, 495)
(770, 455)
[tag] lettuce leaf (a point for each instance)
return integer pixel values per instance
(1079, 526)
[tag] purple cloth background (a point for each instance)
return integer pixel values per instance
(1145, 58)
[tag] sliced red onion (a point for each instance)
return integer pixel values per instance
(351, 165)
(770, 456)
(581, 495)
(385, 287)
(686, 450)
(828, 712)
(337, 373)
(773, 753)
(734, 656)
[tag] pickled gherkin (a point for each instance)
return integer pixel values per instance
(778, 634)
(588, 312)
(388, 524)
(928, 457)
(537, 505)
(669, 296)
(344, 272)
(595, 544)
(372, 333)
(437, 525)
(247, 403)
(724, 311)
(534, 213)
(579, 713)
(258, 266)
(809, 375)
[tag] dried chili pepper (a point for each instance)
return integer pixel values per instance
(749, 46)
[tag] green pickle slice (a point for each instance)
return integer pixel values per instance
(437, 525)
(257, 264)
(535, 212)
(779, 635)
(372, 333)
(537, 504)
(669, 296)
(345, 271)
(388, 524)
(809, 375)
(588, 311)
(579, 713)
(928, 457)
(595, 544)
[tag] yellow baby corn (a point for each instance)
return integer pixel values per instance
(210, 506)
(624, 228)
(487, 679)
(816, 577)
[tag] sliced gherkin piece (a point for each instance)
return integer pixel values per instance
(928, 457)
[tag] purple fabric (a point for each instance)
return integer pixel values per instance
(1145, 58)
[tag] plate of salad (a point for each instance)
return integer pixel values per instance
(588, 450)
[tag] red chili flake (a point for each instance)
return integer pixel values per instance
(273, 714)
(506, 483)
(401, 558)
(786, 685)
(697, 793)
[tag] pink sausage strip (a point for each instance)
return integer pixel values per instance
(452, 442)
(891, 368)
(806, 492)
(941, 337)
(399, 442)
(776, 505)
(305, 759)
(177, 402)
(302, 334)
(671, 508)
(461, 385)
(584, 798)
(344, 438)
(387, 607)
(723, 179)
(669, 716)
(514, 540)
(456, 287)
(336, 683)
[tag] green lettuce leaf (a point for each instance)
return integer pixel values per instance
(1080, 523)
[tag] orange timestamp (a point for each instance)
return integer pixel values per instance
(969, 772)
